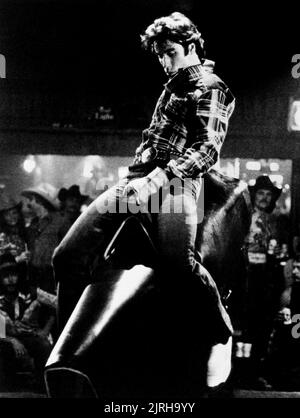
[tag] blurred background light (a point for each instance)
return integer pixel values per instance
(274, 167)
(294, 116)
(253, 165)
(2, 66)
(29, 164)
(276, 178)
(122, 172)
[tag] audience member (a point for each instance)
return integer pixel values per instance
(263, 278)
(13, 233)
(44, 234)
(71, 201)
(285, 343)
(290, 296)
(12, 228)
(25, 336)
(27, 212)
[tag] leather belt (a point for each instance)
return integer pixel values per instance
(151, 154)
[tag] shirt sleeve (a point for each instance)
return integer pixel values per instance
(5, 315)
(9, 323)
(212, 115)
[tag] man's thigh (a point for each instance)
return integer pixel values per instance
(177, 227)
(99, 220)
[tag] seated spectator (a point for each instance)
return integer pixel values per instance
(285, 345)
(13, 234)
(24, 336)
(296, 244)
(12, 228)
(290, 296)
(27, 212)
(44, 234)
(71, 201)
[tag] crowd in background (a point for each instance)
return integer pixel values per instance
(30, 230)
(265, 351)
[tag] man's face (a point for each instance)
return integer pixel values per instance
(10, 282)
(296, 270)
(286, 316)
(172, 56)
(72, 206)
(263, 198)
(34, 205)
(11, 216)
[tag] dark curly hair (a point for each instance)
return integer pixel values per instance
(177, 28)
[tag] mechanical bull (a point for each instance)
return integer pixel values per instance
(136, 335)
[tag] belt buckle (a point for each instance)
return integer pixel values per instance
(148, 154)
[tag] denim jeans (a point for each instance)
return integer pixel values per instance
(173, 213)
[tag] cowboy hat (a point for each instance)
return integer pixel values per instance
(7, 202)
(46, 192)
(73, 192)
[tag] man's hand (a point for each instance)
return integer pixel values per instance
(139, 189)
(24, 257)
(18, 347)
(22, 329)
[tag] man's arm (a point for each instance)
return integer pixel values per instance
(46, 298)
(211, 119)
(10, 328)
(45, 331)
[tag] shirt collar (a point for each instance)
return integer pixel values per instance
(184, 77)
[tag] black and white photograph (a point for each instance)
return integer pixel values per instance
(149, 202)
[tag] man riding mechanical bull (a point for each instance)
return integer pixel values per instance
(163, 185)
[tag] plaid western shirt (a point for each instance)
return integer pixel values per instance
(189, 124)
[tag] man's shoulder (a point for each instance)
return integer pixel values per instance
(211, 81)
(208, 82)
